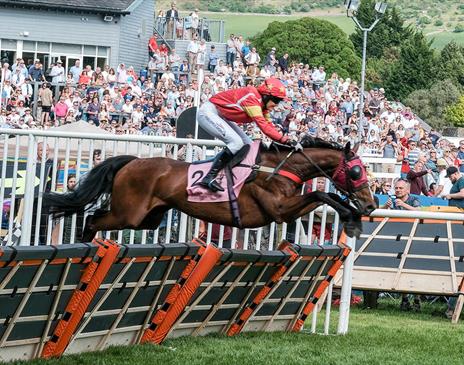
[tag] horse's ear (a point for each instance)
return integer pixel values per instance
(356, 148)
(347, 148)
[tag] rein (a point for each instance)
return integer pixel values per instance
(348, 192)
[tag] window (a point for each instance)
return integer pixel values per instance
(8, 56)
(28, 46)
(89, 61)
(28, 58)
(101, 62)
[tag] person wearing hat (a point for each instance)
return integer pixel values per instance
(456, 194)
(58, 73)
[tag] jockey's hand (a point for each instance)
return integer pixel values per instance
(296, 146)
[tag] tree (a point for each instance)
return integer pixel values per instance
(414, 68)
(389, 32)
(431, 104)
(454, 114)
(450, 63)
(313, 41)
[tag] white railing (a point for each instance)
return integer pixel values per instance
(28, 175)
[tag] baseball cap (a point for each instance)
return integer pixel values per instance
(441, 162)
(451, 170)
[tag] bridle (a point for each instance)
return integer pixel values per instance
(340, 177)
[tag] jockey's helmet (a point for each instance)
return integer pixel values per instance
(273, 87)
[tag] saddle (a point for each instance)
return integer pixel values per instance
(239, 171)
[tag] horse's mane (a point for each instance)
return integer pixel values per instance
(310, 142)
(306, 142)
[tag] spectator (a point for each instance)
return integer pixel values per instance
(460, 156)
(172, 15)
(152, 45)
(192, 51)
(283, 62)
(444, 184)
(36, 72)
(46, 102)
(76, 71)
(252, 60)
(201, 55)
(195, 24)
(61, 111)
(456, 194)
(231, 52)
(402, 199)
(318, 77)
(161, 22)
(416, 180)
(212, 59)
(405, 201)
(58, 73)
(174, 62)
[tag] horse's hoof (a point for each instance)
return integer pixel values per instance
(353, 231)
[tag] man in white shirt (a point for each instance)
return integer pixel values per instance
(318, 77)
(192, 51)
(444, 184)
(5, 73)
(17, 79)
(57, 72)
(76, 70)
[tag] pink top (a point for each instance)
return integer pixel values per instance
(61, 109)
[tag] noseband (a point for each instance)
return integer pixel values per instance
(342, 180)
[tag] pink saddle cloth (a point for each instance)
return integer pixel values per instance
(196, 172)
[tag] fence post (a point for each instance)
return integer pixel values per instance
(345, 296)
(35, 100)
(183, 220)
(221, 32)
(26, 223)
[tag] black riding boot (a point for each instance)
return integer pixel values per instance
(220, 161)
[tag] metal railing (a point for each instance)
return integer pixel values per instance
(212, 30)
(29, 172)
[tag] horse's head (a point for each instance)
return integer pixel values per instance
(350, 177)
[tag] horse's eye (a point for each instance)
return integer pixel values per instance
(355, 173)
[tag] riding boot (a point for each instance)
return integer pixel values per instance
(220, 161)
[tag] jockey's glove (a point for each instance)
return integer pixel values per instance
(296, 146)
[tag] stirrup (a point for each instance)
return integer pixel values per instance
(211, 185)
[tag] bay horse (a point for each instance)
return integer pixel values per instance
(143, 189)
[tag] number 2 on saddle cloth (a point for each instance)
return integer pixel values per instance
(232, 179)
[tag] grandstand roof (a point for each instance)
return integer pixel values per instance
(100, 6)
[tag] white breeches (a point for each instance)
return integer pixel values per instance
(228, 132)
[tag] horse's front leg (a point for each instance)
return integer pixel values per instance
(301, 205)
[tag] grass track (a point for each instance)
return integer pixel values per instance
(384, 336)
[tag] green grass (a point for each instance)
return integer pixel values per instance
(249, 25)
(442, 39)
(383, 336)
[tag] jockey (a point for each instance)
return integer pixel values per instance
(220, 115)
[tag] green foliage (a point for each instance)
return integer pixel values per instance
(413, 69)
(454, 114)
(438, 23)
(459, 28)
(450, 64)
(389, 32)
(312, 41)
(424, 20)
(431, 104)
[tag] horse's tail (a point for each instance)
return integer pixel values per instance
(93, 185)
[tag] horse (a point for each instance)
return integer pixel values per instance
(140, 191)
